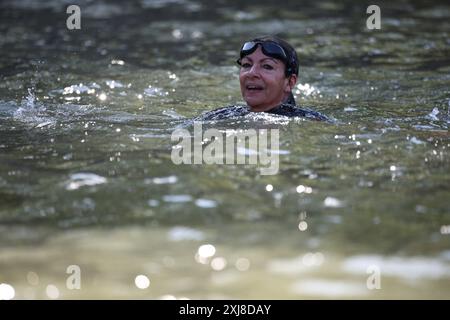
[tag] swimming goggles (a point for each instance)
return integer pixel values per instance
(269, 48)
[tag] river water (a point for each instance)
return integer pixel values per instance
(359, 208)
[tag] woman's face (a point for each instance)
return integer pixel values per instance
(263, 81)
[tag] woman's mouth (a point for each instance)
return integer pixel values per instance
(254, 87)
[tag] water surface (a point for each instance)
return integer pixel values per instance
(86, 176)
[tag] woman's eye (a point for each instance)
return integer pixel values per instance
(246, 65)
(267, 66)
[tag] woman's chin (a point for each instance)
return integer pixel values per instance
(255, 105)
(259, 108)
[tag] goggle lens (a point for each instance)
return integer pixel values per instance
(268, 48)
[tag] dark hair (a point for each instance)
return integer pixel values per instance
(292, 63)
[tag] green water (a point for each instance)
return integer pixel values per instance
(86, 176)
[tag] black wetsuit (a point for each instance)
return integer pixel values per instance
(286, 109)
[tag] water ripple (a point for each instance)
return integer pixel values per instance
(82, 179)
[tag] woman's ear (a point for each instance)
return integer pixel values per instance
(292, 80)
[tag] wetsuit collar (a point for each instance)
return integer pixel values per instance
(289, 101)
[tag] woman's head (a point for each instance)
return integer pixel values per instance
(269, 70)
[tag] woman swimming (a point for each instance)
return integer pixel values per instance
(268, 73)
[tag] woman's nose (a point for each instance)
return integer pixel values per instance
(253, 71)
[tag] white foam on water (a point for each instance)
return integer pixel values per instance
(163, 180)
(414, 140)
(33, 113)
(82, 179)
(407, 268)
(205, 203)
(433, 114)
(331, 202)
(329, 288)
(185, 233)
(177, 198)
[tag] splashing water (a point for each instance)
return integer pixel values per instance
(85, 154)
(30, 98)
(433, 114)
(32, 113)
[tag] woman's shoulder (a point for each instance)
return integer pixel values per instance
(291, 110)
(224, 113)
